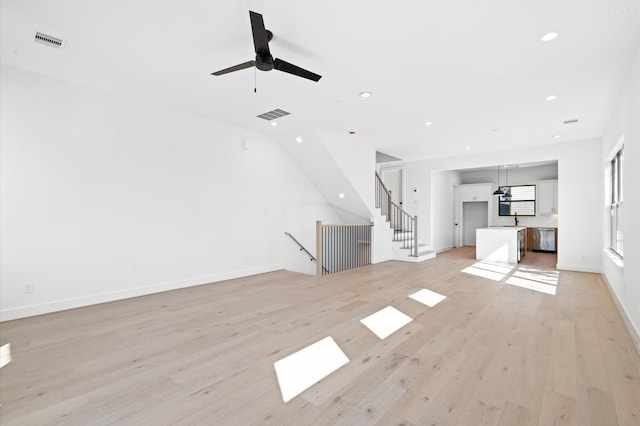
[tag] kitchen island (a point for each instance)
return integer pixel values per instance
(500, 243)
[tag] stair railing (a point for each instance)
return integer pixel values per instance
(405, 229)
(405, 226)
(302, 248)
(383, 198)
(342, 247)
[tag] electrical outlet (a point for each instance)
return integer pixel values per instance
(28, 287)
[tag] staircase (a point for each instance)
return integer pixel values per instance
(402, 226)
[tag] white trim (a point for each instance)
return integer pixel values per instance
(78, 302)
(631, 328)
(614, 257)
(578, 268)
(382, 259)
(617, 147)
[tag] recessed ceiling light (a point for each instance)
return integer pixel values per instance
(619, 11)
(341, 195)
(365, 94)
(428, 123)
(468, 148)
(495, 130)
(549, 36)
(551, 98)
(556, 136)
(299, 139)
(274, 123)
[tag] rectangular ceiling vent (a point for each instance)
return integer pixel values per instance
(48, 40)
(272, 115)
(575, 120)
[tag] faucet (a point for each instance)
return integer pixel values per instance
(516, 219)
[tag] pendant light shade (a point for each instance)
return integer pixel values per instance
(507, 194)
(498, 191)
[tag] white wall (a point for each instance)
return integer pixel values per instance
(624, 281)
(104, 198)
(358, 163)
(340, 164)
(579, 194)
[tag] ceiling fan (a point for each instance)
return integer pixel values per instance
(264, 60)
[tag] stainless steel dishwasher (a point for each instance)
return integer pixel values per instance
(544, 239)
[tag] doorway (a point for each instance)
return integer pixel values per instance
(392, 178)
(474, 215)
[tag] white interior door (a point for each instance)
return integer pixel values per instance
(392, 179)
(474, 215)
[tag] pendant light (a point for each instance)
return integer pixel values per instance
(498, 191)
(507, 195)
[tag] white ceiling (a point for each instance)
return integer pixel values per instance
(468, 66)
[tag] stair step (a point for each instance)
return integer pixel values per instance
(409, 244)
(422, 256)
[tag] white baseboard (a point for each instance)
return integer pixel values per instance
(631, 327)
(443, 249)
(578, 268)
(94, 299)
(381, 259)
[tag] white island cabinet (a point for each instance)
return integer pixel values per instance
(500, 243)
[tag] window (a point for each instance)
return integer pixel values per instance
(616, 206)
(521, 203)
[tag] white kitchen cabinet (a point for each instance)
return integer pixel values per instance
(547, 197)
(470, 193)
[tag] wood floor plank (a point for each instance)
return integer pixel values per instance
(561, 365)
(558, 410)
(595, 406)
(513, 414)
(490, 353)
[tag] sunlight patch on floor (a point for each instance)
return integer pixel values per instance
(386, 321)
(427, 297)
(5, 354)
(301, 370)
(546, 277)
(544, 281)
(532, 285)
(535, 279)
(494, 271)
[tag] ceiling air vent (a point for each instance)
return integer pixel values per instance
(272, 115)
(48, 40)
(575, 120)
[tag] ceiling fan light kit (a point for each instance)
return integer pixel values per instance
(264, 61)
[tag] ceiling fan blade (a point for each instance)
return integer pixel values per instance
(260, 38)
(285, 66)
(235, 68)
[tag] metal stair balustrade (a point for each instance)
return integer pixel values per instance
(383, 198)
(404, 226)
(342, 247)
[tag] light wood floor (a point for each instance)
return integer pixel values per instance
(491, 353)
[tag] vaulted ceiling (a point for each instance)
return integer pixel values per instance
(477, 70)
